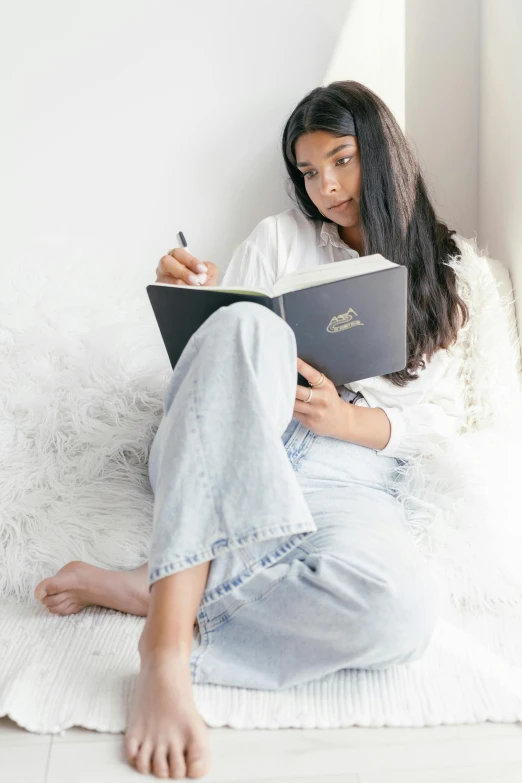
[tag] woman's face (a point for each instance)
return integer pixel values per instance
(332, 173)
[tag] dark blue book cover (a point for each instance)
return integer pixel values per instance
(350, 328)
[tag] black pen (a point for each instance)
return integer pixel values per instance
(182, 242)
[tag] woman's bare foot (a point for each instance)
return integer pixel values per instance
(166, 736)
(78, 585)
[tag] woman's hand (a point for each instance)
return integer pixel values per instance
(179, 267)
(326, 413)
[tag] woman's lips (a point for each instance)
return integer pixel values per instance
(343, 204)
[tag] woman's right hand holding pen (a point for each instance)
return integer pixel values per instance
(179, 267)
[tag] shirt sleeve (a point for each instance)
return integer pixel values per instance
(416, 428)
(253, 262)
(429, 418)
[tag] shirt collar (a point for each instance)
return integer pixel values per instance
(330, 233)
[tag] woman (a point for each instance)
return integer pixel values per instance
(274, 522)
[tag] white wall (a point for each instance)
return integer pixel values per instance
(123, 122)
(370, 50)
(422, 58)
(500, 187)
(442, 103)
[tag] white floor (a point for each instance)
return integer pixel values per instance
(483, 753)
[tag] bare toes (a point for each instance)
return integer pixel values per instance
(66, 607)
(131, 749)
(197, 768)
(59, 608)
(46, 587)
(54, 600)
(177, 766)
(160, 766)
(73, 608)
(143, 758)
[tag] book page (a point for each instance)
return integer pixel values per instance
(230, 290)
(328, 273)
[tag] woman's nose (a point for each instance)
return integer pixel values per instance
(329, 184)
(328, 181)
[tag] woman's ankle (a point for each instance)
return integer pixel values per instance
(159, 651)
(169, 657)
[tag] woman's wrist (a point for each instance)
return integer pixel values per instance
(364, 426)
(345, 421)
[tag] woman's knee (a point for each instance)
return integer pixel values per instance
(247, 329)
(399, 606)
(247, 315)
(406, 616)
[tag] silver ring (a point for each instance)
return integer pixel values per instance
(319, 382)
(310, 395)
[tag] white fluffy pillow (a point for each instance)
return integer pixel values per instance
(82, 375)
(463, 500)
(464, 508)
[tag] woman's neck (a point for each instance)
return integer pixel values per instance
(352, 236)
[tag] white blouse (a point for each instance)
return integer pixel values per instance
(424, 411)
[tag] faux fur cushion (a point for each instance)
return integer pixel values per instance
(463, 499)
(82, 375)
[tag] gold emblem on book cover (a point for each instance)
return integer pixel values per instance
(343, 321)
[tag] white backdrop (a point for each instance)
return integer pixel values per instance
(500, 186)
(125, 121)
(442, 103)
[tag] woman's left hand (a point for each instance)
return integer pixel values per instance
(326, 412)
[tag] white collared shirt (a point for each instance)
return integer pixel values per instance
(426, 410)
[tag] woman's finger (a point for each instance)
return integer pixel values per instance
(302, 407)
(308, 372)
(302, 392)
(172, 268)
(188, 260)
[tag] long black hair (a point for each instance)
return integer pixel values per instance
(397, 218)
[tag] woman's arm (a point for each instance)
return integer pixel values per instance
(365, 426)
(421, 417)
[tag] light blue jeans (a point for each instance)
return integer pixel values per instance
(313, 568)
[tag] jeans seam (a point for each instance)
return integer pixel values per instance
(293, 436)
(226, 588)
(297, 456)
(266, 561)
(315, 551)
(203, 644)
(227, 614)
(205, 472)
(209, 553)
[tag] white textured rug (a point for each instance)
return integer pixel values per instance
(59, 672)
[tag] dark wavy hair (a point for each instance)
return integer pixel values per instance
(397, 218)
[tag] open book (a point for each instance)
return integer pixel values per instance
(348, 317)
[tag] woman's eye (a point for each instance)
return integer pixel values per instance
(313, 172)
